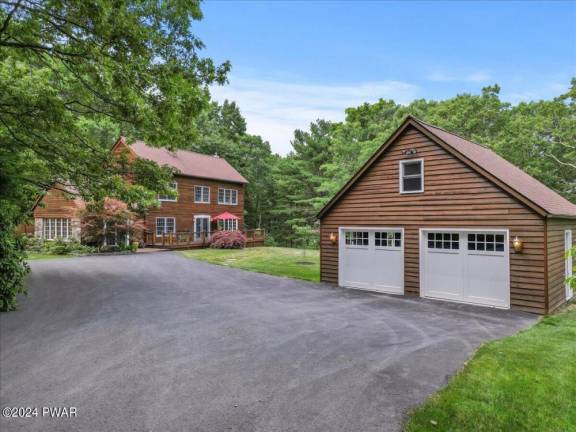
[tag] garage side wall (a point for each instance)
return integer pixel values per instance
(556, 260)
(454, 196)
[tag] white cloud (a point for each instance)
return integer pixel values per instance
(475, 77)
(274, 109)
(543, 91)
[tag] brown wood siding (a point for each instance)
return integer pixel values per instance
(57, 204)
(185, 208)
(556, 260)
(455, 196)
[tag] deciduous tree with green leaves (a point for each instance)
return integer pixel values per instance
(72, 74)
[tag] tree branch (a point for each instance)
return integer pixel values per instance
(9, 17)
(551, 156)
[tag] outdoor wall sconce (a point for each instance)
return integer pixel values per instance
(333, 238)
(517, 244)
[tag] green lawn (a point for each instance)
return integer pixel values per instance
(294, 263)
(526, 382)
(42, 256)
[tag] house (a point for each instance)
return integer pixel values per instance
(435, 215)
(210, 197)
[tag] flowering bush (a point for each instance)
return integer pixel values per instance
(228, 240)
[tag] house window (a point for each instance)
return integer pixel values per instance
(356, 238)
(227, 196)
(202, 194)
(486, 242)
(412, 176)
(53, 228)
(228, 224)
(388, 239)
(165, 225)
(173, 185)
(446, 241)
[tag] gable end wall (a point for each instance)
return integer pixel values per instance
(455, 196)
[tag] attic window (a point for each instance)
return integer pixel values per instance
(412, 176)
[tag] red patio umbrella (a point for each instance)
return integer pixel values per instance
(225, 216)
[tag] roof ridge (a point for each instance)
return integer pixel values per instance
(178, 150)
(451, 133)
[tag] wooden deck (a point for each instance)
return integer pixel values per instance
(191, 240)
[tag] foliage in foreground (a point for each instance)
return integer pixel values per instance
(295, 263)
(521, 383)
(13, 268)
(75, 73)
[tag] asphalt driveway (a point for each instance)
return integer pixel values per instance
(157, 342)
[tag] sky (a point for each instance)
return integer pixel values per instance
(294, 61)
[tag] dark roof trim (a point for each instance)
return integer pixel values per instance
(412, 121)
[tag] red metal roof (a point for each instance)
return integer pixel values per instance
(225, 216)
(190, 163)
(523, 183)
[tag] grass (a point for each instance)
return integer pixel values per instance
(294, 263)
(43, 256)
(526, 382)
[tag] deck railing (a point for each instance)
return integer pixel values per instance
(182, 239)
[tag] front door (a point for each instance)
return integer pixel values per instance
(201, 227)
(568, 264)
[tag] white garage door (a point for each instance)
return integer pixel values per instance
(372, 259)
(467, 266)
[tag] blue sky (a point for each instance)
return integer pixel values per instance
(296, 61)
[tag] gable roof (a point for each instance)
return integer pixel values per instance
(189, 163)
(509, 177)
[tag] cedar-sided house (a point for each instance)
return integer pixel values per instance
(210, 197)
(435, 215)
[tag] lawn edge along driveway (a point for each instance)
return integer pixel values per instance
(524, 382)
(301, 264)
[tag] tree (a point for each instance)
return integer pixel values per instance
(75, 72)
(109, 218)
(222, 131)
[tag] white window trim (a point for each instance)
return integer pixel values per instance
(201, 216)
(164, 233)
(223, 224)
(201, 202)
(393, 247)
(358, 246)
(401, 175)
(228, 203)
(50, 222)
(175, 183)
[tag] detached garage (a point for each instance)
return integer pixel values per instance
(435, 215)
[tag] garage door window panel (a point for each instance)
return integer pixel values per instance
(444, 241)
(388, 239)
(357, 238)
(486, 242)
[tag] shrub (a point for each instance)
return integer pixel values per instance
(270, 241)
(56, 247)
(228, 240)
(13, 267)
(33, 244)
